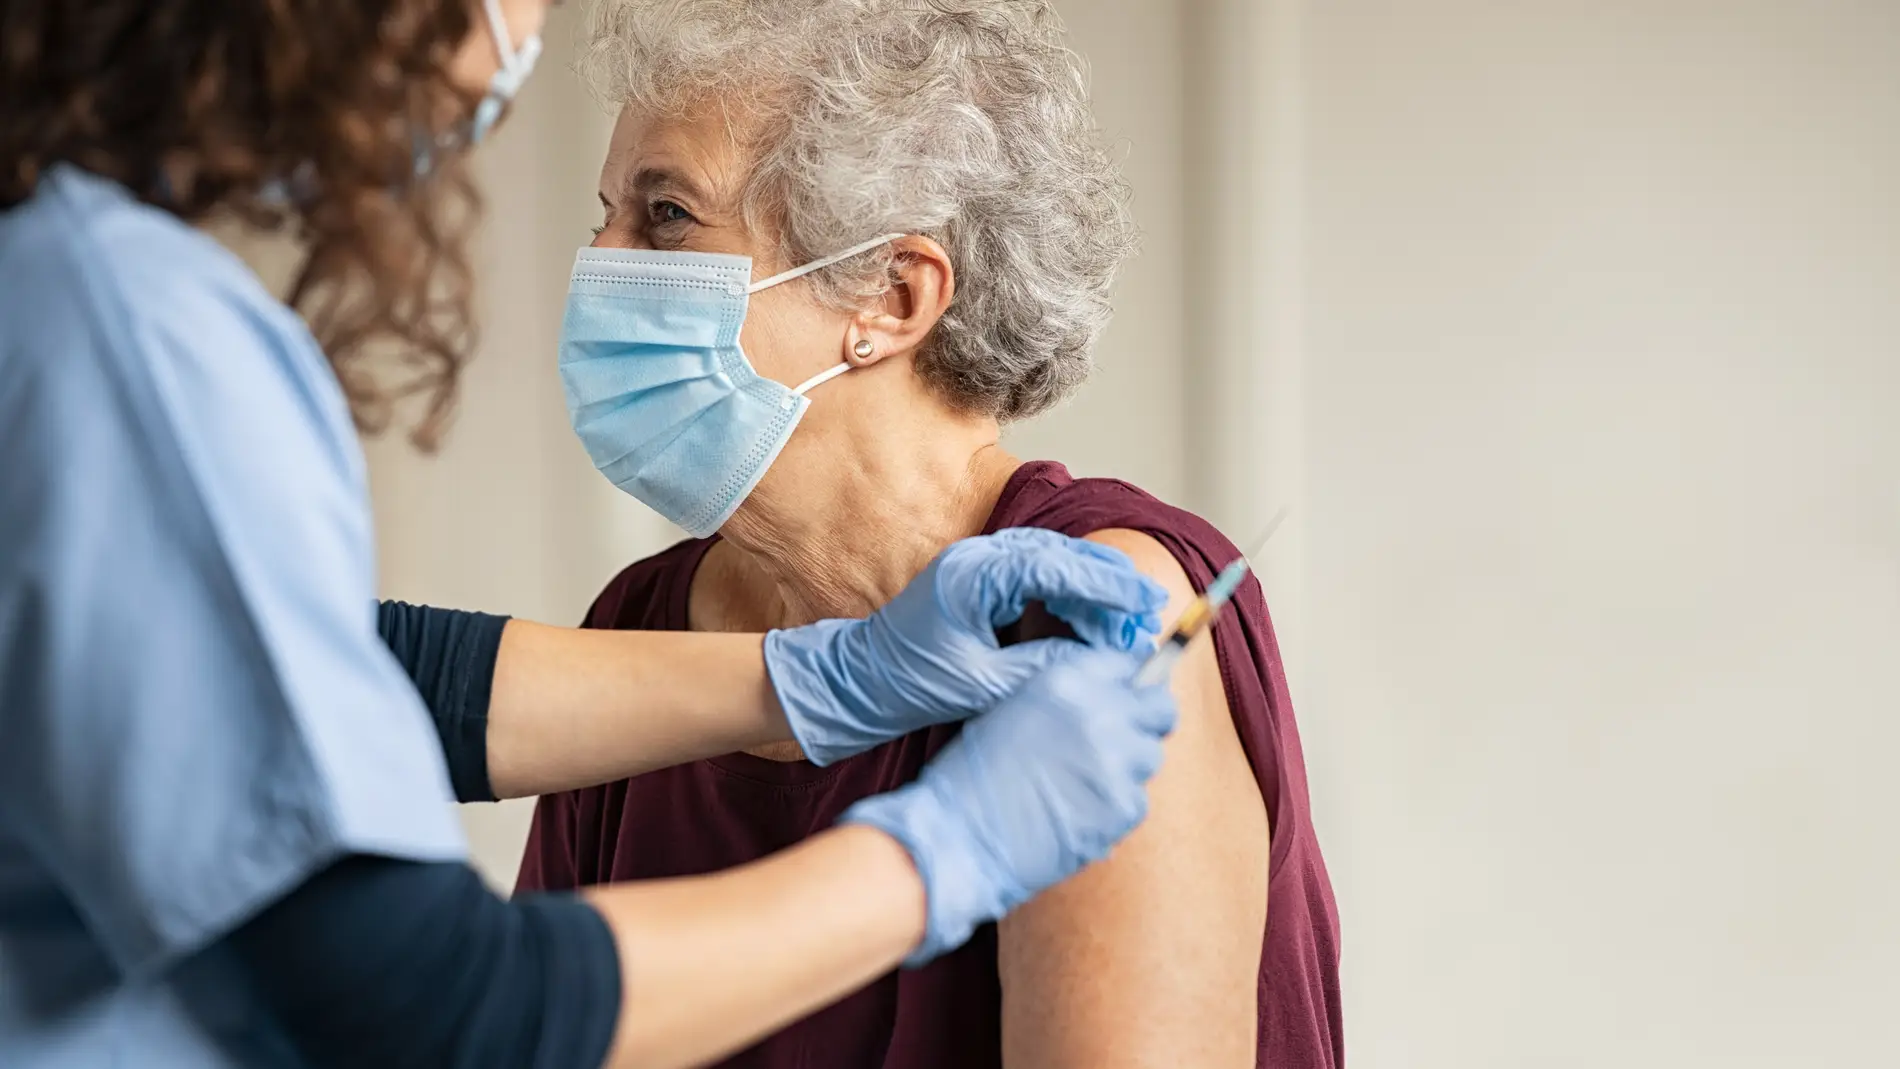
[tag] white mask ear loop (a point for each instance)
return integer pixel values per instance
(816, 381)
(843, 366)
(498, 29)
(820, 265)
(516, 60)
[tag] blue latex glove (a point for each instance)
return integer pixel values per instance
(931, 655)
(1029, 793)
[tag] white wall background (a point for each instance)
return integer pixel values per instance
(1572, 331)
(1603, 413)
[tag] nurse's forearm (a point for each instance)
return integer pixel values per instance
(376, 962)
(524, 709)
(712, 963)
(575, 708)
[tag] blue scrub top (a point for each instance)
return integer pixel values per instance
(196, 712)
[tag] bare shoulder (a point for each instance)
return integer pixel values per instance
(1154, 561)
(1152, 956)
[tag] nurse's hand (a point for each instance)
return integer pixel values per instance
(1029, 793)
(931, 655)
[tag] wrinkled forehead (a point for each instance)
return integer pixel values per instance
(706, 145)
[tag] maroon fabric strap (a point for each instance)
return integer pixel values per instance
(715, 814)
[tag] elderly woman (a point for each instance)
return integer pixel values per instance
(938, 159)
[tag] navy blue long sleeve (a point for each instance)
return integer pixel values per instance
(451, 657)
(377, 963)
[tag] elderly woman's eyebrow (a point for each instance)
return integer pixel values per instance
(650, 180)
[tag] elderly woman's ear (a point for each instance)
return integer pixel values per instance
(924, 284)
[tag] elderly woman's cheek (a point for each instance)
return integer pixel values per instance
(787, 339)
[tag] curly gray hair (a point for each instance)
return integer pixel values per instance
(963, 120)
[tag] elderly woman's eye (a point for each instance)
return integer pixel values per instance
(665, 211)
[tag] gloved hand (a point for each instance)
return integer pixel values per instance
(931, 655)
(1029, 793)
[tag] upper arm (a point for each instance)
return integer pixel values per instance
(1151, 957)
(196, 707)
(450, 657)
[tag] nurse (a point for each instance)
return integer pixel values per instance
(222, 837)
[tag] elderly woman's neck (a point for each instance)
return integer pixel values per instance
(842, 541)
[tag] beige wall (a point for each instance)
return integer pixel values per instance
(1603, 414)
(1572, 331)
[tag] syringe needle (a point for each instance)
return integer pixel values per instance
(1200, 615)
(1273, 528)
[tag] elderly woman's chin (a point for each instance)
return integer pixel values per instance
(932, 227)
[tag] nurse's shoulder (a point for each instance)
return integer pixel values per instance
(118, 305)
(198, 710)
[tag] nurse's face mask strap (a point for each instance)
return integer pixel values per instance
(515, 64)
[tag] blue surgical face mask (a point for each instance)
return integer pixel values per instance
(657, 387)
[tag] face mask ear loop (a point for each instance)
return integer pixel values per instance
(814, 382)
(819, 265)
(498, 29)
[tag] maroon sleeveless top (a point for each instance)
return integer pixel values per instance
(715, 814)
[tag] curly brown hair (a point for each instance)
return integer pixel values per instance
(296, 116)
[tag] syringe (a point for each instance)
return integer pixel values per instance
(1201, 613)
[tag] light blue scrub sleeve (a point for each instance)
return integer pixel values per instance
(196, 711)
